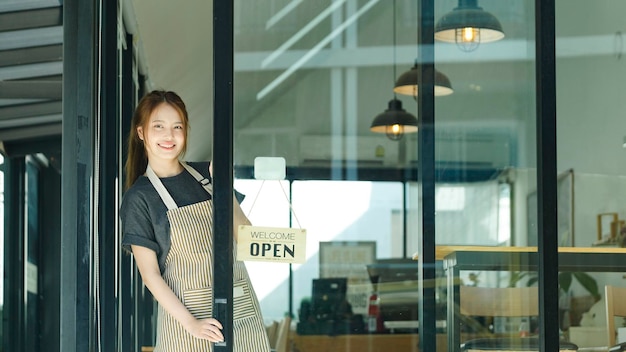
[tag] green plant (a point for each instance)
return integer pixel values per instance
(565, 281)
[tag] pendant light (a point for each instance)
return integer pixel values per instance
(407, 83)
(394, 121)
(468, 25)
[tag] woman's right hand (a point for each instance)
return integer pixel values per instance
(207, 329)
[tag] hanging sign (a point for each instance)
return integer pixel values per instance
(271, 244)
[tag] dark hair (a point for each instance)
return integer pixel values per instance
(137, 160)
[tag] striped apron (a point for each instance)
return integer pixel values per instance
(189, 273)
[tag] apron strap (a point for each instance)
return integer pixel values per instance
(165, 195)
(158, 185)
(206, 184)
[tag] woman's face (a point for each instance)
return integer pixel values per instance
(164, 134)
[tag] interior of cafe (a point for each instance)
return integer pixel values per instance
(409, 145)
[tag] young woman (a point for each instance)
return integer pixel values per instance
(167, 221)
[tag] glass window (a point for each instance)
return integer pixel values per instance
(31, 249)
(485, 141)
(310, 79)
(349, 213)
(266, 203)
(460, 221)
(590, 150)
(1, 244)
(343, 212)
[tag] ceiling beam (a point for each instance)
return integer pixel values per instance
(31, 90)
(38, 131)
(31, 37)
(30, 121)
(511, 50)
(13, 6)
(43, 69)
(29, 110)
(37, 18)
(32, 55)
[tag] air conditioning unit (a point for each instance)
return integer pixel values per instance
(471, 149)
(321, 150)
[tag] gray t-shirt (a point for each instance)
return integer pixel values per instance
(144, 215)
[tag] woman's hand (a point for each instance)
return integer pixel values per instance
(207, 329)
(146, 259)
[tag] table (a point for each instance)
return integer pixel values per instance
(477, 258)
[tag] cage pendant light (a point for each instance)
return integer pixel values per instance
(468, 25)
(394, 121)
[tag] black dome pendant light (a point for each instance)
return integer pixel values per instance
(394, 121)
(406, 84)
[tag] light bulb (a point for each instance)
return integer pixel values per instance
(395, 132)
(468, 34)
(467, 38)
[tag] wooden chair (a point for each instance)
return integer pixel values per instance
(272, 333)
(282, 337)
(615, 307)
(502, 302)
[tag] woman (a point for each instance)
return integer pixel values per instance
(167, 221)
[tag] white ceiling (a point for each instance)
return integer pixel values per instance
(176, 42)
(175, 50)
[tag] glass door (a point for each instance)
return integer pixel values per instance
(310, 79)
(32, 256)
(2, 166)
(484, 157)
(590, 137)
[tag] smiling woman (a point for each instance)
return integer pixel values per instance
(167, 218)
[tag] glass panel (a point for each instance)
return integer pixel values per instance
(267, 204)
(591, 141)
(31, 251)
(1, 245)
(350, 225)
(485, 162)
(310, 77)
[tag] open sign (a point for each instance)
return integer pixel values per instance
(271, 244)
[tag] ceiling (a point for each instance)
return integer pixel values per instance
(31, 52)
(175, 44)
(176, 54)
(174, 50)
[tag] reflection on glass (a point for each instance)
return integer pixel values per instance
(267, 204)
(592, 149)
(330, 211)
(350, 224)
(1, 243)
